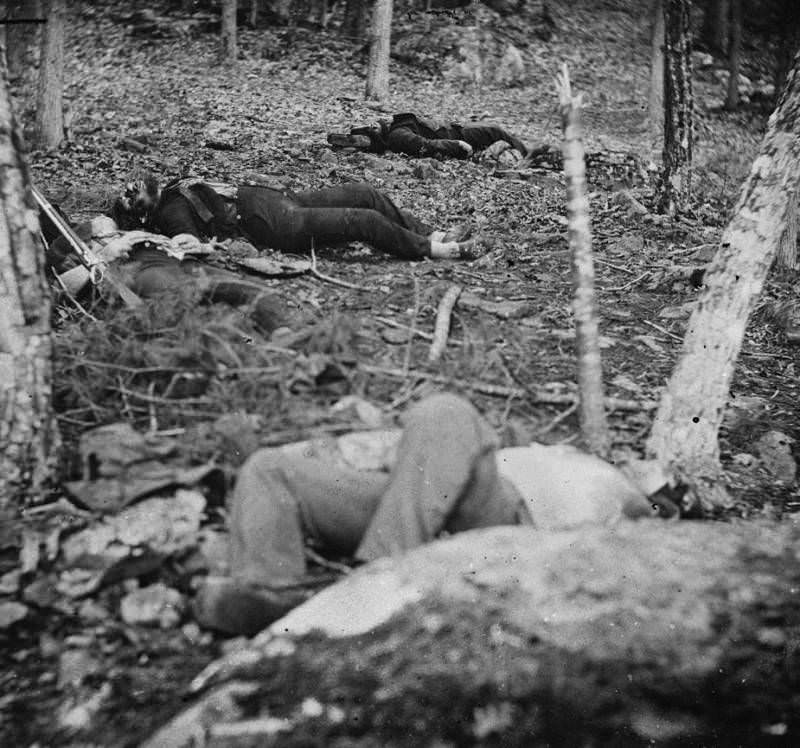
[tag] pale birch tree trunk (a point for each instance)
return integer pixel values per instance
(787, 251)
(678, 109)
(229, 48)
(594, 427)
(50, 101)
(655, 104)
(687, 424)
(28, 433)
(379, 47)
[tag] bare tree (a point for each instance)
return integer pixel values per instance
(355, 18)
(594, 427)
(50, 101)
(655, 104)
(28, 433)
(714, 30)
(678, 108)
(686, 428)
(379, 47)
(20, 37)
(734, 54)
(228, 11)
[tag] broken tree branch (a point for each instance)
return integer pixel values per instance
(442, 327)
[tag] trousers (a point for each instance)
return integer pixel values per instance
(151, 272)
(444, 479)
(406, 140)
(297, 221)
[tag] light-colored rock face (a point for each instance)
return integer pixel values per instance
(626, 630)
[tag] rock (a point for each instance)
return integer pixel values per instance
(9, 582)
(220, 136)
(42, 592)
(775, 452)
(10, 613)
(511, 68)
(154, 605)
(77, 717)
(628, 245)
(164, 525)
(74, 666)
(626, 199)
(425, 171)
(625, 630)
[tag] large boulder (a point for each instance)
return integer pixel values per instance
(645, 634)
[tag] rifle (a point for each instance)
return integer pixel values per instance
(98, 269)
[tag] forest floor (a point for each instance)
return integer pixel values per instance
(140, 102)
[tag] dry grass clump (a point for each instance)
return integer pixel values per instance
(158, 365)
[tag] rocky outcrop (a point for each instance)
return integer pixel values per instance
(647, 634)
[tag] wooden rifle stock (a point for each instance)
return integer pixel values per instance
(88, 258)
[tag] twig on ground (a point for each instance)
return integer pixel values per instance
(329, 279)
(442, 326)
(314, 557)
(72, 298)
(612, 265)
(400, 326)
(499, 390)
(663, 330)
(564, 414)
(629, 284)
(413, 328)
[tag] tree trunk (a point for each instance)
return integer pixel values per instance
(687, 424)
(678, 109)
(228, 10)
(655, 108)
(734, 54)
(787, 251)
(379, 47)
(594, 427)
(354, 23)
(28, 434)
(714, 31)
(50, 103)
(20, 37)
(641, 635)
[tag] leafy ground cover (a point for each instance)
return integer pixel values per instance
(147, 103)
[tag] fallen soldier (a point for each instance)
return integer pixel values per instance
(447, 476)
(420, 136)
(149, 265)
(277, 218)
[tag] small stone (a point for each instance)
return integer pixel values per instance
(11, 613)
(74, 666)
(775, 450)
(42, 593)
(93, 612)
(9, 582)
(154, 605)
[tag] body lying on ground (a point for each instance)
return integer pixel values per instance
(151, 265)
(278, 218)
(415, 135)
(447, 476)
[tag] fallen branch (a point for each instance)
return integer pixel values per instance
(499, 390)
(329, 279)
(442, 327)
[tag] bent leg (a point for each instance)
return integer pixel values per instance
(482, 136)
(444, 479)
(283, 496)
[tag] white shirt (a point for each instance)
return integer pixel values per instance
(564, 487)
